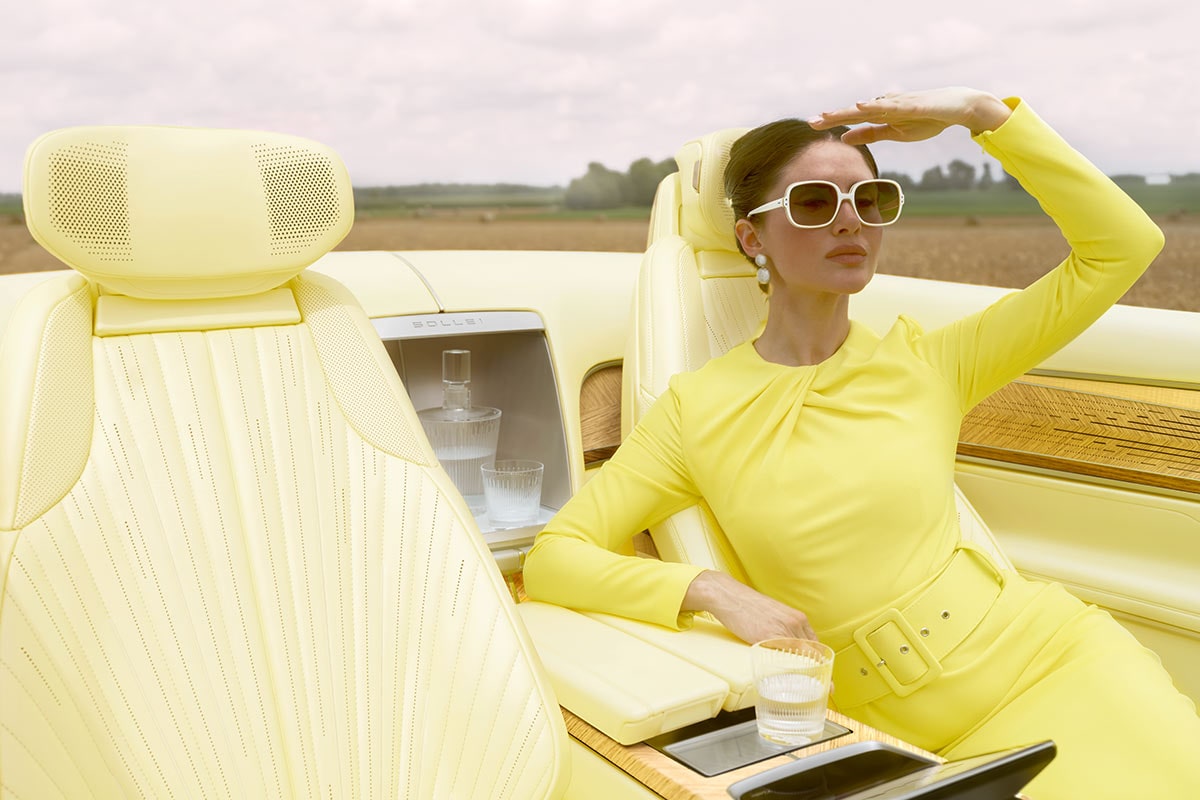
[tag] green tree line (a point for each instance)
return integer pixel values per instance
(604, 188)
(455, 194)
(958, 175)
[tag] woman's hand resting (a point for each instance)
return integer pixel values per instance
(749, 615)
(913, 116)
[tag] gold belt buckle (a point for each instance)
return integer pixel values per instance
(909, 645)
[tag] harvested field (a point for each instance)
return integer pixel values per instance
(513, 232)
(999, 251)
(1015, 253)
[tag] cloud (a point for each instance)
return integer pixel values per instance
(532, 90)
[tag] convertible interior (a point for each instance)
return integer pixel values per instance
(232, 564)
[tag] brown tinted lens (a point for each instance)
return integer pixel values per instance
(877, 202)
(812, 204)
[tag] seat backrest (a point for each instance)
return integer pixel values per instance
(230, 564)
(696, 298)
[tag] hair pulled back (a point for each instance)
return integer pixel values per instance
(758, 157)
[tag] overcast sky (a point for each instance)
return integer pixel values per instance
(530, 91)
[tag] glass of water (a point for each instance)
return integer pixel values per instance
(792, 679)
(512, 489)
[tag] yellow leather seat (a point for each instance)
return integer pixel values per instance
(230, 564)
(696, 298)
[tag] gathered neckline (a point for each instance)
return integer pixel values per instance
(854, 337)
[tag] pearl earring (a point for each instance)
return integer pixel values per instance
(764, 274)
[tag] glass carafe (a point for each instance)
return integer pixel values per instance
(463, 436)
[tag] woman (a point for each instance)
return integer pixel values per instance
(827, 452)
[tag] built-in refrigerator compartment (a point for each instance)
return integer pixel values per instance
(511, 370)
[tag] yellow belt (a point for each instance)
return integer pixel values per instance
(900, 650)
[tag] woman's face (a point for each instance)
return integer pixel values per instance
(837, 259)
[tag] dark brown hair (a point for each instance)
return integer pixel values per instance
(759, 156)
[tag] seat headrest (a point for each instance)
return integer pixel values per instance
(162, 212)
(705, 217)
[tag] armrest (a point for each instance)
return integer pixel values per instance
(624, 686)
(707, 645)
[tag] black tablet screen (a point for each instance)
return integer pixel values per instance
(841, 778)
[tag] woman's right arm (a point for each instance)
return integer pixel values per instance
(568, 567)
(584, 557)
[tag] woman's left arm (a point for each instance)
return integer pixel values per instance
(1112, 243)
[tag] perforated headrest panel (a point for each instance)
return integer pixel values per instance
(162, 212)
(302, 196)
(89, 198)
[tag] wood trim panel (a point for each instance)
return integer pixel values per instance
(1054, 424)
(600, 414)
(1162, 395)
(674, 781)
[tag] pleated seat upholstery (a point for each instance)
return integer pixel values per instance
(697, 297)
(231, 565)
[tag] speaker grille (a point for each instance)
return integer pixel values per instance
(89, 198)
(301, 194)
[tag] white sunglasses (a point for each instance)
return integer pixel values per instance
(815, 204)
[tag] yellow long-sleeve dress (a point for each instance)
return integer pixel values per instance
(834, 485)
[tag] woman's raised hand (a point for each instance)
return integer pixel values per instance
(749, 615)
(913, 116)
